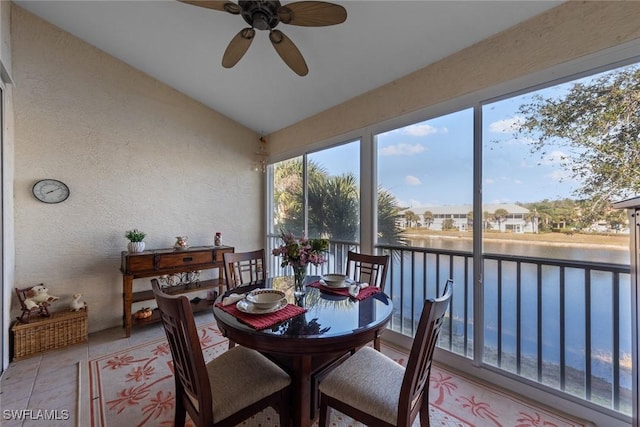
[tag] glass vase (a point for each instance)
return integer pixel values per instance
(299, 276)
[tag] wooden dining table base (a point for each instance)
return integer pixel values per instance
(307, 353)
(306, 372)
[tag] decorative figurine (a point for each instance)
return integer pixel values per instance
(76, 304)
(218, 239)
(38, 295)
(181, 243)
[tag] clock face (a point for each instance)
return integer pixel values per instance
(50, 191)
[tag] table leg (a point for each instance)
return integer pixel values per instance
(302, 391)
(127, 301)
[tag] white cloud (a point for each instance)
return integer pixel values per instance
(419, 130)
(489, 181)
(402, 150)
(412, 180)
(506, 125)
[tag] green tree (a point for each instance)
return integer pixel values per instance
(448, 224)
(428, 218)
(532, 217)
(288, 201)
(388, 212)
(617, 219)
(334, 207)
(333, 204)
(486, 220)
(410, 217)
(598, 124)
(499, 215)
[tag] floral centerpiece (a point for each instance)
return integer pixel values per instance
(299, 253)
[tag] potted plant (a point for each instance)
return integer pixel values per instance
(136, 238)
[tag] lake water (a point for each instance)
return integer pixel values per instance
(600, 312)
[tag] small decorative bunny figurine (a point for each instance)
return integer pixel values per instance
(76, 304)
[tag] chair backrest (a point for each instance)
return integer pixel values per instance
(243, 267)
(371, 269)
(188, 362)
(415, 385)
(23, 294)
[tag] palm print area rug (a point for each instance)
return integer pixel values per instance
(135, 387)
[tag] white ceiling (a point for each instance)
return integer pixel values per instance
(182, 46)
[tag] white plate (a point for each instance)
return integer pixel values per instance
(347, 282)
(248, 307)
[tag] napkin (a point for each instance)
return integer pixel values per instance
(354, 289)
(232, 299)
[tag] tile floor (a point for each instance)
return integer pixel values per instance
(50, 381)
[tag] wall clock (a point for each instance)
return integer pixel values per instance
(50, 191)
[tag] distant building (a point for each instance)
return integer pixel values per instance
(458, 217)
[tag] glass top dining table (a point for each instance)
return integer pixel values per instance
(310, 344)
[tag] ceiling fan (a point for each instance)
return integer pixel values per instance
(266, 15)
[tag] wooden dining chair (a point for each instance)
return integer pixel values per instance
(226, 391)
(243, 267)
(371, 269)
(377, 391)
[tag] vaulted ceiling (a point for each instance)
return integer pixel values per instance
(182, 45)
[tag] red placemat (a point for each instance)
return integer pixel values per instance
(364, 292)
(263, 321)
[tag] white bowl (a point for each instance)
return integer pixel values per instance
(264, 299)
(335, 280)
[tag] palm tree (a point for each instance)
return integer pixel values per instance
(486, 218)
(388, 212)
(410, 217)
(499, 215)
(333, 204)
(532, 217)
(334, 207)
(288, 195)
(428, 218)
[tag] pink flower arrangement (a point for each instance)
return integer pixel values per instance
(298, 252)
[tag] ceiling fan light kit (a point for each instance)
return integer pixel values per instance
(265, 15)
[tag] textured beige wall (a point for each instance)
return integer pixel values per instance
(7, 170)
(134, 153)
(567, 32)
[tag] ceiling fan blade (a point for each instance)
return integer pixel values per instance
(223, 5)
(312, 14)
(288, 52)
(238, 47)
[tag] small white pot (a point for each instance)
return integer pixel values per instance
(135, 247)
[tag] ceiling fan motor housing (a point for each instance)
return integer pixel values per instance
(260, 14)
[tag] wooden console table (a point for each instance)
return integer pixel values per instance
(157, 262)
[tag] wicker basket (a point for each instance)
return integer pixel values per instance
(49, 333)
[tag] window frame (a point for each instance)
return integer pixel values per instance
(609, 59)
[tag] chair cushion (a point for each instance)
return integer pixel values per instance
(368, 381)
(240, 377)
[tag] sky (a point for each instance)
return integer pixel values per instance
(431, 163)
